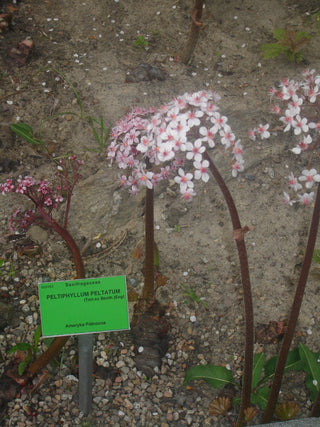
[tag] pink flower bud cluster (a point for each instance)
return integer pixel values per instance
(39, 192)
(298, 106)
(153, 145)
(44, 197)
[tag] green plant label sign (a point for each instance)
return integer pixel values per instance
(84, 306)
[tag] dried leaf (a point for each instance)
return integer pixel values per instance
(133, 296)
(250, 413)
(11, 8)
(219, 406)
(160, 280)
(271, 332)
(137, 252)
(287, 410)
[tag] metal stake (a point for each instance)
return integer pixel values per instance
(85, 348)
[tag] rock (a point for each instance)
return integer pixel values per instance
(145, 72)
(151, 340)
(7, 315)
(175, 214)
(37, 234)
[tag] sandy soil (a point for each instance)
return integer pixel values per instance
(93, 44)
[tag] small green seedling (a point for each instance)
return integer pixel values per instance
(317, 15)
(2, 261)
(288, 42)
(12, 271)
(141, 42)
(177, 228)
(100, 131)
(31, 350)
(316, 256)
(192, 295)
(103, 135)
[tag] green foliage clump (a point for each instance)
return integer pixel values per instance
(299, 359)
(141, 42)
(288, 42)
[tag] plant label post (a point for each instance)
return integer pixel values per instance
(85, 349)
(84, 307)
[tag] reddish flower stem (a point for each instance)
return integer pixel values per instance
(247, 296)
(316, 406)
(148, 289)
(194, 32)
(59, 342)
(294, 314)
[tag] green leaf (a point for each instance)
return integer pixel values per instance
(258, 363)
(95, 133)
(25, 131)
(298, 57)
(260, 397)
(311, 368)
(48, 341)
(216, 376)
(303, 34)
(141, 41)
(36, 337)
(22, 346)
(72, 88)
(293, 363)
(2, 260)
(279, 33)
(312, 388)
(317, 15)
(22, 367)
(271, 50)
(236, 400)
(316, 256)
(270, 367)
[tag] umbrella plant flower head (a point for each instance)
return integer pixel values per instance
(297, 106)
(155, 145)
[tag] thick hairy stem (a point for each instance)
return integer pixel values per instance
(63, 232)
(316, 406)
(148, 289)
(295, 309)
(194, 32)
(59, 342)
(247, 296)
(77, 258)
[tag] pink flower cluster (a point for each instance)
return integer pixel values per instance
(153, 145)
(298, 106)
(44, 197)
(39, 192)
